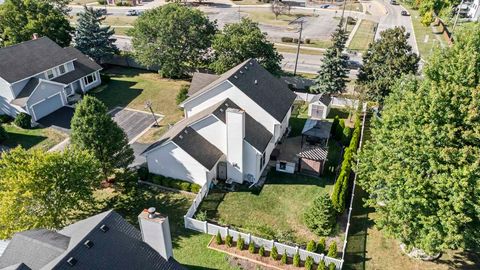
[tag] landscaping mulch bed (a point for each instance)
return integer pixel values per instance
(265, 262)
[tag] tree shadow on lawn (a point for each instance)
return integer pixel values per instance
(23, 140)
(341, 113)
(117, 93)
(118, 71)
(280, 178)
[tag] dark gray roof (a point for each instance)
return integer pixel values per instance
(323, 98)
(317, 128)
(317, 154)
(83, 66)
(200, 80)
(31, 57)
(27, 90)
(121, 247)
(198, 147)
(255, 133)
(258, 84)
(35, 248)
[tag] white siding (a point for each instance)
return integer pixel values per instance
(5, 90)
(44, 90)
(326, 110)
(214, 131)
(172, 161)
(227, 90)
(251, 161)
(235, 139)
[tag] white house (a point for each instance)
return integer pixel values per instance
(38, 77)
(474, 10)
(319, 107)
(232, 124)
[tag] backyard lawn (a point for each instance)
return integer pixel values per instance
(364, 35)
(274, 212)
(133, 87)
(44, 138)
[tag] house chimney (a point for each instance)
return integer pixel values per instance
(235, 120)
(156, 231)
(35, 36)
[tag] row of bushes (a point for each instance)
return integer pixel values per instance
(295, 40)
(161, 180)
(309, 263)
(23, 120)
(340, 132)
(320, 247)
(340, 189)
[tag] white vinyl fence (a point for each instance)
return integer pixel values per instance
(212, 229)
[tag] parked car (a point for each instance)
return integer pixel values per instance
(351, 64)
(132, 12)
(405, 13)
(324, 6)
(393, 2)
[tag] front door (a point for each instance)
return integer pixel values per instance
(222, 170)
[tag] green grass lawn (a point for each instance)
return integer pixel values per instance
(303, 50)
(364, 35)
(44, 138)
(267, 17)
(275, 211)
(133, 87)
(189, 247)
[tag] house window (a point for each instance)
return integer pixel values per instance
(262, 161)
(50, 74)
(90, 79)
(283, 165)
(61, 69)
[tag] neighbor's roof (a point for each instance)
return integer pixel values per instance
(259, 85)
(200, 80)
(317, 128)
(31, 57)
(83, 66)
(120, 247)
(317, 154)
(25, 93)
(323, 98)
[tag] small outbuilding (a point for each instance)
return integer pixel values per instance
(312, 161)
(319, 107)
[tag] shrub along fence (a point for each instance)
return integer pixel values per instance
(212, 229)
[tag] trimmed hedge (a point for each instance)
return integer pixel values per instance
(251, 247)
(261, 251)
(161, 180)
(308, 263)
(229, 240)
(322, 266)
(332, 250)
(311, 246)
(332, 266)
(240, 243)
(296, 260)
(284, 258)
(23, 120)
(274, 253)
(218, 238)
(321, 245)
(287, 39)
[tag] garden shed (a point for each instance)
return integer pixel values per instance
(316, 132)
(319, 106)
(312, 161)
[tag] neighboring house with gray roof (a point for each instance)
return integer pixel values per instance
(104, 241)
(38, 77)
(232, 124)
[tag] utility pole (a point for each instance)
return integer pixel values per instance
(148, 104)
(298, 47)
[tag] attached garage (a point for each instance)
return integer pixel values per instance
(47, 106)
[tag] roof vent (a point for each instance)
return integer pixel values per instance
(235, 76)
(88, 244)
(226, 104)
(72, 261)
(241, 72)
(251, 63)
(180, 136)
(104, 228)
(256, 82)
(185, 131)
(221, 109)
(246, 67)
(151, 212)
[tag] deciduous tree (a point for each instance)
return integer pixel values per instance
(93, 39)
(173, 37)
(44, 189)
(387, 59)
(20, 19)
(93, 129)
(241, 41)
(421, 166)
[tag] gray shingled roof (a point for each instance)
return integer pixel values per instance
(31, 57)
(18, 266)
(255, 133)
(83, 66)
(268, 91)
(323, 98)
(25, 93)
(317, 128)
(121, 247)
(200, 80)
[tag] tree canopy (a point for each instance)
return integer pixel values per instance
(93, 129)
(174, 38)
(93, 39)
(422, 164)
(240, 41)
(44, 189)
(387, 59)
(333, 73)
(19, 20)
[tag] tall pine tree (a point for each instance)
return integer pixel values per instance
(93, 39)
(333, 73)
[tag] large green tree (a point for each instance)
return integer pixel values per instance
(240, 41)
(333, 73)
(173, 37)
(422, 164)
(386, 59)
(320, 217)
(20, 19)
(44, 189)
(93, 39)
(94, 129)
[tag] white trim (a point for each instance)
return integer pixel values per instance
(96, 77)
(30, 76)
(46, 81)
(201, 94)
(36, 103)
